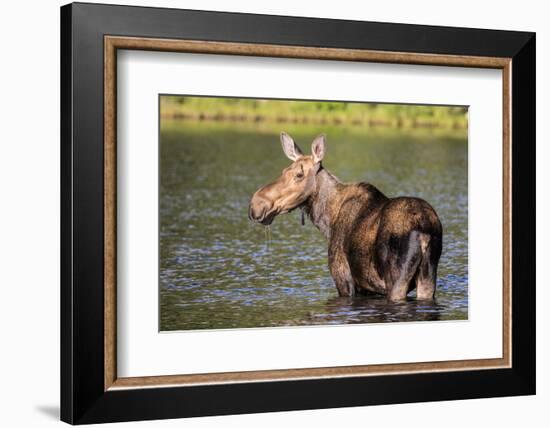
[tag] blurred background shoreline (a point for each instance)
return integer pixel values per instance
(195, 108)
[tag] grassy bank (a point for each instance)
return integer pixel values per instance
(312, 112)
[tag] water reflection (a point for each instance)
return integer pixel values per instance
(218, 270)
(368, 309)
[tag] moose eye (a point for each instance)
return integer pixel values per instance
(300, 175)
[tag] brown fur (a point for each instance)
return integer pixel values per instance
(375, 244)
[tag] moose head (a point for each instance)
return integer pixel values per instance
(296, 184)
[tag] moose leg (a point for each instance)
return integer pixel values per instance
(403, 257)
(341, 273)
(427, 271)
(425, 285)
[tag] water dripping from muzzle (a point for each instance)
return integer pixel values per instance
(268, 264)
(267, 237)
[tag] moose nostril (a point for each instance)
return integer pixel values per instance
(258, 208)
(256, 212)
(250, 212)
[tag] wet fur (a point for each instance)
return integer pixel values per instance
(379, 245)
(376, 244)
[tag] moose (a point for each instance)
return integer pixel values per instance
(376, 245)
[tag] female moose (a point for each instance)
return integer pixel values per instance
(376, 244)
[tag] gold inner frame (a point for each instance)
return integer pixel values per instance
(113, 43)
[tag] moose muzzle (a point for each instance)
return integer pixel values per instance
(260, 209)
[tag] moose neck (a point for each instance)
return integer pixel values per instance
(322, 205)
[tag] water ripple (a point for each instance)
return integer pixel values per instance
(217, 270)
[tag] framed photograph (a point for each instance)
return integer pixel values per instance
(266, 213)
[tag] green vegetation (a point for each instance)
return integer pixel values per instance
(312, 112)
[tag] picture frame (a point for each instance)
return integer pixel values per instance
(91, 391)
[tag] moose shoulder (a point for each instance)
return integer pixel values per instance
(376, 244)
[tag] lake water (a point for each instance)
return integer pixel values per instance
(218, 270)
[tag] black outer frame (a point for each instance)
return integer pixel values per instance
(83, 399)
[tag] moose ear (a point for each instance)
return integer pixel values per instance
(318, 148)
(291, 149)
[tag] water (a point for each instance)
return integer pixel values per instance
(219, 270)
